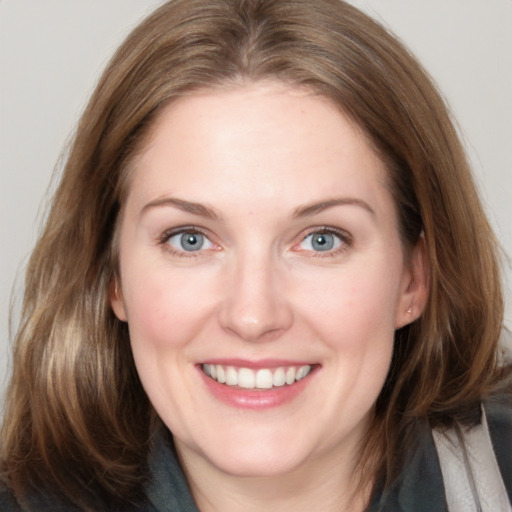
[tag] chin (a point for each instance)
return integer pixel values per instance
(254, 456)
(258, 465)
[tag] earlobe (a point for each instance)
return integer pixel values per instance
(416, 286)
(117, 301)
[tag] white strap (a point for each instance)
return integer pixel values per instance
(471, 475)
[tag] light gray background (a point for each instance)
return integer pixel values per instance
(52, 51)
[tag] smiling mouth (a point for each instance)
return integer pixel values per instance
(261, 379)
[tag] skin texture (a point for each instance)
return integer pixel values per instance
(257, 156)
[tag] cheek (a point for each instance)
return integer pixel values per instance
(164, 308)
(353, 305)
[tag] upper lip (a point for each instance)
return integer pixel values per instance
(256, 364)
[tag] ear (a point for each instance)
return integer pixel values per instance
(415, 285)
(116, 300)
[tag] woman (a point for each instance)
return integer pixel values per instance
(265, 277)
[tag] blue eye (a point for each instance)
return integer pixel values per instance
(189, 241)
(321, 241)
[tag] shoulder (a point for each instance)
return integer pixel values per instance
(499, 419)
(421, 486)
(469, 457)
(34, 502)
(167, 490)
(7, 501)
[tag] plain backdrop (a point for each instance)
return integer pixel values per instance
(52, 52)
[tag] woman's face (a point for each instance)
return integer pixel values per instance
(262, 277)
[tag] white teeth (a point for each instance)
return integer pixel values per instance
(279, 377)
(246, 378)
(221, 374)
(301, 373)
(264, 378)
(231, 376)
(290, 375)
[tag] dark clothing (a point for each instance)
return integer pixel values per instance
(419, 488)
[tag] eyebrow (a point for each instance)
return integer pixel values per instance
(299, 212)
(314, 208)
(181, 204)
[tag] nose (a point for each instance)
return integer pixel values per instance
(255, 307)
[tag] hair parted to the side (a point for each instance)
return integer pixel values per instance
(77, 420)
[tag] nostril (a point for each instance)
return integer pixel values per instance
(254, 307)
(256, 324)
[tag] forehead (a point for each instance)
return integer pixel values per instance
(265, 139)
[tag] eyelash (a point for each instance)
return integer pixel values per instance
(167, 235)
(344, 237)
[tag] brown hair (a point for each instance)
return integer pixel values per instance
(77, 420)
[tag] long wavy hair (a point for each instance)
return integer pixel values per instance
(77, 420)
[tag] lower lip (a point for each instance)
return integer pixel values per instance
(255, 399)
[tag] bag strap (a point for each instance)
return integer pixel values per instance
(471, 476)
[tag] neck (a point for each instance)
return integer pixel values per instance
(326, 484)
